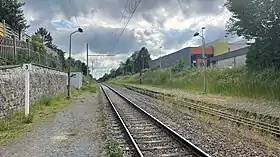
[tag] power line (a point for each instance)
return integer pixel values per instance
(122, 16)
(124, 10)
(133, 11)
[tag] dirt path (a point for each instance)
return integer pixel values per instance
(73, 132)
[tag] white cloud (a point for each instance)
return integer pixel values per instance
(155, 23)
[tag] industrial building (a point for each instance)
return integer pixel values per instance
(231, 59)
(219, 54)
(190, 55)
(229, 54)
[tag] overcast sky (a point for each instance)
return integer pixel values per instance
(155, 23)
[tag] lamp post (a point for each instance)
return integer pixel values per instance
(204, 58)
(69, 70)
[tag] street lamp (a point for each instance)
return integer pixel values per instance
(69, 72)
(204, 58)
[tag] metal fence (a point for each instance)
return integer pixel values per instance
(13, 51)
(6, 31)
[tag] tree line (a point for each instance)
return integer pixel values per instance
(11, 11)
(136, 63)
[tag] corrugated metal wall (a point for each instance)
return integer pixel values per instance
(232, 59)
(172, 59)
(232, 62)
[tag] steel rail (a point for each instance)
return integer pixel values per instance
(123, 124)
(197, 151)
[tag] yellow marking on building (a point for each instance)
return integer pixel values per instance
(220, 46)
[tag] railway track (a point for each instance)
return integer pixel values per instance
(149, 136)
(266, 127)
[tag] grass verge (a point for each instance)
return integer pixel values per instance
(16, 124)
(101, 124)
(237, 82)
(91, 87)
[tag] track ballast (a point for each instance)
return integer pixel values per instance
(148, 135)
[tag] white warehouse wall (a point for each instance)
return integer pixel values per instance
(239, 61)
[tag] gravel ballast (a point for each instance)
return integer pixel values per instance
(149, 146)
(73, 132)
(216, 141)
(113, 129)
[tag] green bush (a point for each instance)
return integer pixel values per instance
(113, 149)
(91, 87)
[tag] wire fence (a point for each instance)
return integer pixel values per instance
(13, 51)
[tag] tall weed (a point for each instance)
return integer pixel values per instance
(234, 82)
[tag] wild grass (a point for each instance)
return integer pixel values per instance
(231, 82)
(90, 87)
(113, 149)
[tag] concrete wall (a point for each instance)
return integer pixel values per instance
(43, 82)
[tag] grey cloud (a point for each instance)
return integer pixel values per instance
(201, 7)
(213, 33)
(176, 38)
(101, 40)
(114, 8)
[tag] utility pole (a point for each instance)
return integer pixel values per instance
(160, 58)
(87, 64)
(97, 55)
(170, 75)
(204, 61)
(142, 67)
(92, 67)
(133, 68)
(203, 57)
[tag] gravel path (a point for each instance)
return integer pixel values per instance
(73, 132)
(213, 140)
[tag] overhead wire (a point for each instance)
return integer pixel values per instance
(124, 10)
(122, 16)
(137, 3)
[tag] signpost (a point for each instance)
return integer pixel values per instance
(27, 68)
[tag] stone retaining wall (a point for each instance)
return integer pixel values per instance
(43, 82)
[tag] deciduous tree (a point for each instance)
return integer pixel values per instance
(11, 11)
(46, 37)
(259, 20)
